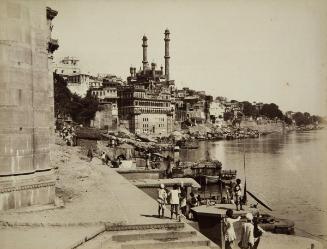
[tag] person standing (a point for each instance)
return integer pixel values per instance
(169, 169)
(162, 200)
(238, 194)
(147, 160)
(230, 235)
(247, 233)
(90, 154)
(104, 158)
(174, 201)
(257, 232)
(183, 203)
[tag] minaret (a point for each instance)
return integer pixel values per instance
(153, 69)
(167, 57)
(145, 52)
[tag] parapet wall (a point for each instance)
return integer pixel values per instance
(26, 106)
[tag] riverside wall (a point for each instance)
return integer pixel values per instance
(264, 127)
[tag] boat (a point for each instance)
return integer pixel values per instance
(187, 145)
(204, 172)
(272, 224)
(225, 176)
(210, 179)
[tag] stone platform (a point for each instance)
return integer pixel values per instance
(107, 205)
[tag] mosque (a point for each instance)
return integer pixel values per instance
(145, 102)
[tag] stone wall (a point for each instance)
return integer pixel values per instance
(263, 126)
(26, 106)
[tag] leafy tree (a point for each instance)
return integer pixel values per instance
(228, 116)
(62, 96)
(300, 118)
(271, 111)
(287, 120)
(249, 109)
(82, 110)
(315, 119)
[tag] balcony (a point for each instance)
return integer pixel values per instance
(52, 45)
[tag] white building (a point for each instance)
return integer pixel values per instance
(79, 83)
(67, 66)
(216, 112)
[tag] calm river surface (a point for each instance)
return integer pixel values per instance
(288, 171)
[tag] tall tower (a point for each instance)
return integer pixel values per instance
(145, 52)
(167, 57)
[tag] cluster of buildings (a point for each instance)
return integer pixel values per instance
(148, 101)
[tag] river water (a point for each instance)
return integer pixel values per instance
(288, 171)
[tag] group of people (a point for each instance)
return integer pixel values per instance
(105, 159)
(68, 135)
(177, 198)
(250, 233)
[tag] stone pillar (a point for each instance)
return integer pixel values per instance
(167, 57)
(26, 106)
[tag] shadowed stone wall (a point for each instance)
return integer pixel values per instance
(26, 106)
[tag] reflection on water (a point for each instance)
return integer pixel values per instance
(288, 170)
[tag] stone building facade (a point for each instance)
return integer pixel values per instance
(67, 66)
(147, 112)
(26, 104)
(106, 93)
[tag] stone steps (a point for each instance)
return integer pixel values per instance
(158, 244)
(161, 235)
(182, 237)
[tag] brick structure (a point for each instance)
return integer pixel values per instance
(26, 104)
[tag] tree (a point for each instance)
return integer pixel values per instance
(248, 109)
(316, 119)
(228, 116)
(300, 119)
(271, 111)
(84, 109)
(62, 96)
(287, 120)
(81, 110)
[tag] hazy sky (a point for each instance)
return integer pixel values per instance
(260, 50)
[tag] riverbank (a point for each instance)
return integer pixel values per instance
(284, 169)
(97, 206)
(98, 209)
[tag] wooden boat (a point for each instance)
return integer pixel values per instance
(226, 176)
(187, 145)
(190, 147)
(211, 179)
(204, 172)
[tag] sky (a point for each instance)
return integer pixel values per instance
(271, 51)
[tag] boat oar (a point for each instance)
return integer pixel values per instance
(258, 200)
(244, 198)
